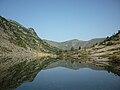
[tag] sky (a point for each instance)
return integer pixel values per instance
(61, 20)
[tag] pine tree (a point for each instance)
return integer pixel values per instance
(79, 48)
(72, 48)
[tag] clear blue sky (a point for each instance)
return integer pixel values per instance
(61, 20)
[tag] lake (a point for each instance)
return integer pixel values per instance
(68, 75)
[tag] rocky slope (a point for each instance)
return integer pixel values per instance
(15, 39)
(105, 52)
(108, 50)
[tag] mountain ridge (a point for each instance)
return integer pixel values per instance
(75, 43)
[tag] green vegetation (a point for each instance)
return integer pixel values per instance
(76, 44)
(79, 48)
(72, 49)
(24, 37)
(80, 55)
(112, 40)
(23, 71)
(115, 59)
(109, 43)
(109, 48)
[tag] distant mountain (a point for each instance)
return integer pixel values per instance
(75, 43)
(16, 38)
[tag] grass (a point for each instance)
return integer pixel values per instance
(105, 56)
(113, 58)
(81, 55)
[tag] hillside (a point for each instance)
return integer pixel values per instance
(106, 53)
(108, 50)
(75, 43)
(16, 39)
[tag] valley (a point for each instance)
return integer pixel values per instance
(18, 41)
(23, 54)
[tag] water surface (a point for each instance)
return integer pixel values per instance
(67, 75)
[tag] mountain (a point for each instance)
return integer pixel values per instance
(75, 65)
(112, 40)
(75, 43)
(15, 38)
(109, 49)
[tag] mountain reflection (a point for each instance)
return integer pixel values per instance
(13, 75)
(14, 72)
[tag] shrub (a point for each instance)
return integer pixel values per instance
(115, 59)
(109, 43)
(79, 48)
(72, 48)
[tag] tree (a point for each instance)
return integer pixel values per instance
(79, 48)
(109, 43)
(72, 48)
(107, 38)
(118, 31)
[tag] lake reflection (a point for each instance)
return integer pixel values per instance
(69, 75)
